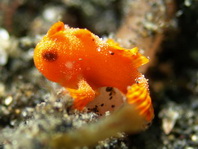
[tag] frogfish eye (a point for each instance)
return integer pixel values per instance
(50, 56)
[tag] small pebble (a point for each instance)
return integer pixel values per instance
(8, 100)
(3, 57)
(194, 138)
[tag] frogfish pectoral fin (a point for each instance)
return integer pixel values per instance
(82, 96)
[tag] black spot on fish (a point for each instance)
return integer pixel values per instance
(111, 53)
(109, 89)
(50, 56)
(113, 106)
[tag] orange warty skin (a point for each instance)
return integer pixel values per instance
(82, 62)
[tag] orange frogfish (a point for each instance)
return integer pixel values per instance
(83, 63)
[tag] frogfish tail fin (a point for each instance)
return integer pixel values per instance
(138, 95)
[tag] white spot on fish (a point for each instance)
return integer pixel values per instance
(69, 65)
(98, 49)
